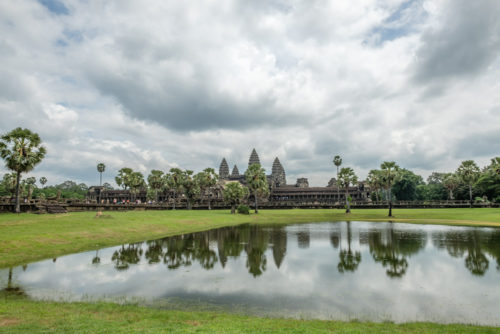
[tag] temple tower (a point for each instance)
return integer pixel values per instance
(278, 175)
(224, 169)
(254, 158)
(236, 172)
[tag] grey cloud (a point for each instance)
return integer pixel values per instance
(480, 144)
(467, 41)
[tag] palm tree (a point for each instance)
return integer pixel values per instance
(101, 168)
(337, 161)
(374, 180)
(191, 188)
(136, 182)
(346, 178)
(468, 172)
(156, 181)
(43, 180)
(451, 182)
(22, 151)
(175, 181)
(257, 182)
(389, 173)
(123, 177)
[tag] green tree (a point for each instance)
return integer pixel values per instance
(30, 183)
(375, 182)
(489, 180)
(9, 183)
(136, 183)
(191, 188)
(347, 177)
(156, 181)
(207, 180)
(337, 161)
(123, 177)
(451, 183)
(43, 181)
(405, 185)
(22, 151)
(234, 193)
(101, 168)
(468, 172)
(257, 183)
(389, 173)
(175, 181)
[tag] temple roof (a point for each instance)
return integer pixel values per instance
(254, 158)
(235, 172)
(223, 169)
(277, 167)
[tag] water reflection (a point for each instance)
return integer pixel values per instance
(389, 246)
(326, 270)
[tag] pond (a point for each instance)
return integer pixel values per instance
(332, 270)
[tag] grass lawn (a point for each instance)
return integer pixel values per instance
(19, 315)
(26, 237)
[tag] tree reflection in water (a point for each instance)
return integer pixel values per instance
(392, 248)
(349, 260)
(388, 245)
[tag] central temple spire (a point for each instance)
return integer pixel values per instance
(254, 158)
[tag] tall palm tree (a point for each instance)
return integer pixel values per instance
(337, 161)
(101, 168)
(347, 177)
(257, 182)
(389, 172)
(43, 180)
(468, 172)
(22, 151)
(156, 181)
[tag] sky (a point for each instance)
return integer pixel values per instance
(159, 84)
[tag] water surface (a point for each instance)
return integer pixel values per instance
(340, 270)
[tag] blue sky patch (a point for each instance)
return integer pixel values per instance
(55, 6)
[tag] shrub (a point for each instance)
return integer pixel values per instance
(243, 209)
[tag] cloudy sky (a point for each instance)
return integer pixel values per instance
(157, 84)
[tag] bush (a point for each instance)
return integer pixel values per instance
(243, 209)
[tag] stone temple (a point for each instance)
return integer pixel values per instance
(298, 192)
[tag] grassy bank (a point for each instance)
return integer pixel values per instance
(26, 237)
(19, 315)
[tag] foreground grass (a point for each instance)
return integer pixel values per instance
(26, 238)
(19, 315)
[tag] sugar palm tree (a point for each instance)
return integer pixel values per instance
(43, 180)
(156, 181)
(337, 161)
(389, 172)
(22, 151)
(468, 172)
(347, 177)
(101, 168)
(175, 181)
(374, 180)
(257, 182)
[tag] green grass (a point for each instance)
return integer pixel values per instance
(19, 315)
(26, 238)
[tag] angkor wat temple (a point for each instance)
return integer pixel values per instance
(298, 192)
(282, 194)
